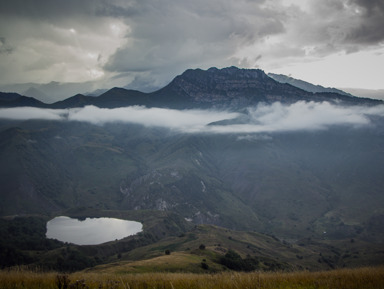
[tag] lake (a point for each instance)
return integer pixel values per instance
(91, 231)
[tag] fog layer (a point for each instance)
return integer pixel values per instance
(263, 118)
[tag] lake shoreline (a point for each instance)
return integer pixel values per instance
(91, 231)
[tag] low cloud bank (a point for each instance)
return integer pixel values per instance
(181, 120)
(262, 118)
(30, 113)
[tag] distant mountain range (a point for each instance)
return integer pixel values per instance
(305, 85)
(8, 99)
(216, 88)
(368, 93)
(51, 92)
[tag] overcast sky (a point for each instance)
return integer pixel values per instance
(338, 43)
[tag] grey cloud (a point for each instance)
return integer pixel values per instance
(155, 40)
(64, 41)
(37, 18)
(372, 7)
(42, 10)
(115, 9)
(168, 37)
(328, 27)
(370, 28)
(171, 36)
(350, 22)
(4, 47)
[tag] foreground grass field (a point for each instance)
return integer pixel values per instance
(369, 278)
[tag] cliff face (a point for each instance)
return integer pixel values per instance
(230, 87)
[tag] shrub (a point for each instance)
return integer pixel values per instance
(233, 261)
(204, 265)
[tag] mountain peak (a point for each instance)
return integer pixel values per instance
(231, 71)
(229, 87)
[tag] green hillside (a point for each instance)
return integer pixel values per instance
(325, 184)
(205, 248)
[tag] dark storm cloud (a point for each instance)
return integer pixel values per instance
(372, 7)
(46, 9)
(370, 28)
(45, 13)
(348, 25)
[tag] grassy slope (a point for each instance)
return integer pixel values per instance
(271, 253)
(363, 278)
(167, 231)
(175, 262)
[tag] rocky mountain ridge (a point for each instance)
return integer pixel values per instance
(229, 87)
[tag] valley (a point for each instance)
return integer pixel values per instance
(284, 178)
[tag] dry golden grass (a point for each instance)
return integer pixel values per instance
(369, 278)
(176, 262)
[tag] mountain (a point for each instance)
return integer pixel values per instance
(14, 100)
(78, 100)
(37, 94)
(218, 88)
(320, 189)
(117, 97)
(305, 85)
(50, 92)
(225, 88)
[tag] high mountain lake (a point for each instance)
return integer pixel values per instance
(91, 231)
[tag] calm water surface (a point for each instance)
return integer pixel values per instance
(91, 231)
